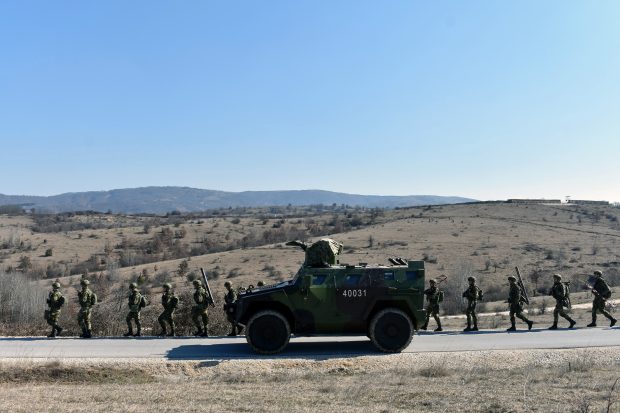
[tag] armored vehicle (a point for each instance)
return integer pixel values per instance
(383, 302)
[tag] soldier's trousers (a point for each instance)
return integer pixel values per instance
(135, 316)
(559, 311)
(470, 312)
(166, 317)
(52, 318)
(432, 310)
(84, 319)
(200, 314)
(517, 310)
(598, 306)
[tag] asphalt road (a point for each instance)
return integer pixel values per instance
(218, 348)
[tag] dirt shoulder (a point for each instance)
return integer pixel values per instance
(488, 381)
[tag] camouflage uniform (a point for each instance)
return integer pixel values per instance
(433, 297)
(559, 291)
(472, 294)
(602, 293)
(515, 299)
(55, 301)
(136, 302)
(170, 302)
(199, 310)
(87, 299)
(229, 308)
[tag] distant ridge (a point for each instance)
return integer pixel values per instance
(162, 199)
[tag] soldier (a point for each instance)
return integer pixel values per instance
(515, 299)
(602, 293)
(136, 303)
(170, 302)
(199, 310)
(560, 292)
(433, 296)
(229, 308)
(472, 294)
(87, 299)
(55, 301)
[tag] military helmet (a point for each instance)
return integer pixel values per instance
(432, 281)
(558, 276)
(471, 278)
(227, 284)
(55, 285)
(512, 278)
(196, 282)
(133, 286)
(598, 273)
(84, 282)
(167, 286)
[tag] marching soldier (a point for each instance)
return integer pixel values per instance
(170, 302)
(55, 301)
(472, 294)
(515, 299)
(229, 308)
(136, 303)
(602, 293)
(199, 310)
(560, 292)
(87, 299)
(433, 297)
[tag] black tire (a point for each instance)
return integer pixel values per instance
(391, 330)
(268, 332)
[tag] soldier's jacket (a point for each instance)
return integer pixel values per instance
(559, 291)
(230, 297)
(601, 287)
(515, 296)
(135, 301)
(433, 295)
(201, 298)
(473, 293)
(169, 301)
(87, 298)
(55, 300)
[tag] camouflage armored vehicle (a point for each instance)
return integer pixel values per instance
(326, 297)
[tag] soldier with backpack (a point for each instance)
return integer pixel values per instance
(602, 293)
(87, 299)
(136, 303)
(433, 297)
(561, 293)
(170, 302)
(515, 300)
(472, 294)
(55, 301)
(199, 310)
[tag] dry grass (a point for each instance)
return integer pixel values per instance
(525, 381)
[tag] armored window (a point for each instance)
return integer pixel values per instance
(351, 280)
(319, 279)
(412, 275)
(388, 276)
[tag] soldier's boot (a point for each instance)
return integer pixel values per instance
(438, 326)
(239, 329)
(84, 332)
(205, 333)
(58, 330)
(198, 332)
(139, 331)
(593, 323)
(424, 326)
(171, 331)
(553, 327)
(129, 332)
(233, 332)
(513, 327)
(89, 334)
(613, 322)
(53, 333)
(163, 329)
(475, 328)
(572, 323)
(468, 328)
(475, 320)
(529, 324)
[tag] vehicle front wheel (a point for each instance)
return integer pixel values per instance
(391, 330)
(268, 332)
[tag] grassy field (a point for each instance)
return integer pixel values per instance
(491, 382)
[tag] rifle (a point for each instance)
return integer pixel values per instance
(441, 279)
(210, 299)
(526, 298)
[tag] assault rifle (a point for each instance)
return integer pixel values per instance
(524, 296)
(210, 299)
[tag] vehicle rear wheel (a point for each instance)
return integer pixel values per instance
(391, 330)
(268, 332)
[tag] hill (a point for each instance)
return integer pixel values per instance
(156, 199)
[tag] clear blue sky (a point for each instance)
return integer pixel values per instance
(474, 98)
